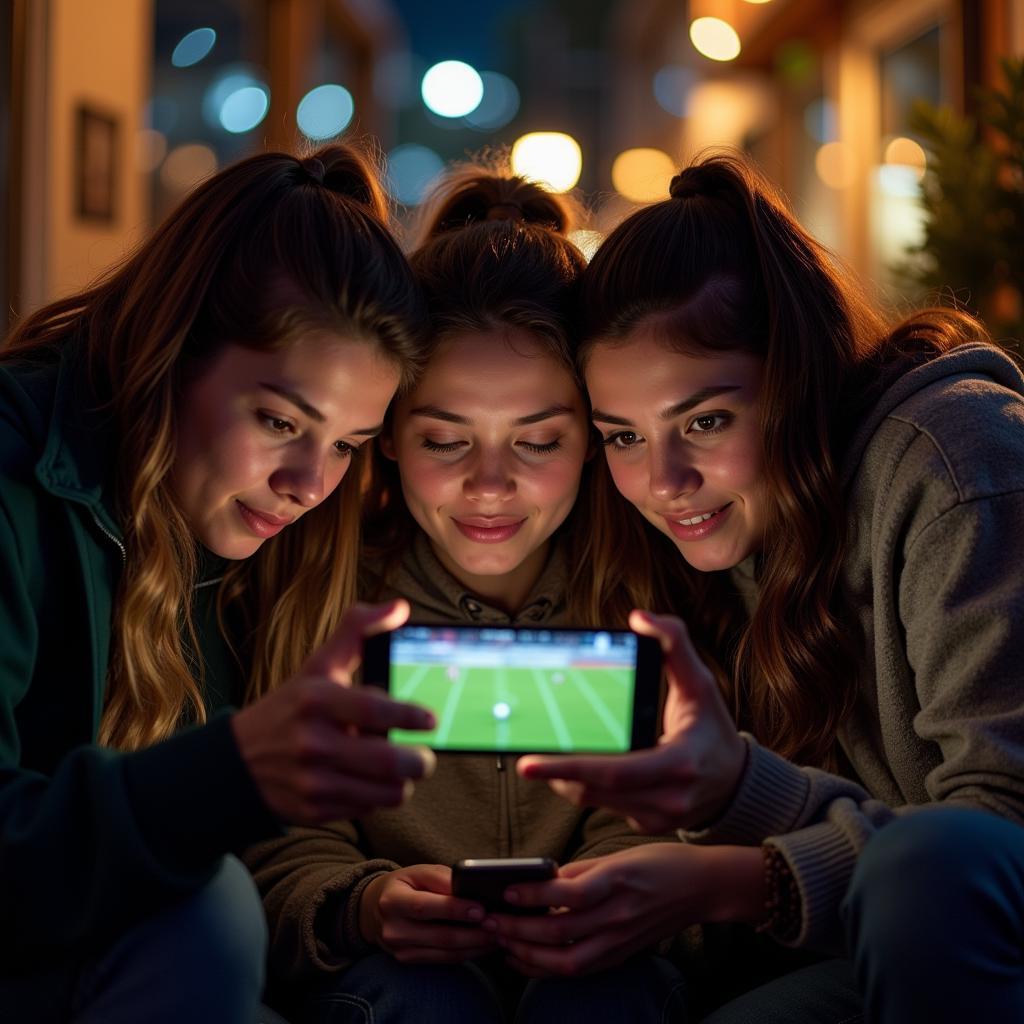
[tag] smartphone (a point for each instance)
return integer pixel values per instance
(515, 690)
(485, 880)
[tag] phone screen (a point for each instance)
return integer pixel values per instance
(494, 689)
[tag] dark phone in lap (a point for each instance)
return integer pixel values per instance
(486, 879)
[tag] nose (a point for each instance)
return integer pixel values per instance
(672, 471)
(489, 478)
(303, 478)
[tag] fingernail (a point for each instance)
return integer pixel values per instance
(490, 925)
(475, 914)
(511, 896)
(429, 761)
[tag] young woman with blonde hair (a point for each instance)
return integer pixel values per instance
(842, 503)
(175, 541)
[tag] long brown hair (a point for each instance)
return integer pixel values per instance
(258, 255)
(493, 253)
(722, 265)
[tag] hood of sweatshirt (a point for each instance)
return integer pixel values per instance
(972, 360)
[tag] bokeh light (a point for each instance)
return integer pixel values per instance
(192, 48)
(452, 89)
(325, 111)
(186, 165)
(715, 39)
(243, 109)
(586, 241)
(672, 85)
(836, 164)
(904, 167)
(500, 103)
(552, 159)
(230, 80)
(796, 61)
(150, 149)
(642, 175)
(410, 170)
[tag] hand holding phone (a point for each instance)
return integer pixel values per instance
(412, 914)
(504, 690)
(486, 879)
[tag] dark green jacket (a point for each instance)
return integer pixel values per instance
(90, 840)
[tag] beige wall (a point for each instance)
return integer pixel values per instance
(99, 53)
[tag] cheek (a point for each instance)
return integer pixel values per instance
(427, 480)
(556, 483)
(629, 477)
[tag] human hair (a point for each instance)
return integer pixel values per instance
(723, 266)
(492, 255)
(267, 250)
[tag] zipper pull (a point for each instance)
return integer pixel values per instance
(500, 763)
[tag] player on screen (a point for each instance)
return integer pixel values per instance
(473, 516)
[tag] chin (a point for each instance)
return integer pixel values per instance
(235, 549)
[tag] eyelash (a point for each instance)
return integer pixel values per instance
(341, 448)
(447, 449)
(725, 419)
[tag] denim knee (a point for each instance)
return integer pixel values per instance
(922, 867)
(200, 960)
(223, 929)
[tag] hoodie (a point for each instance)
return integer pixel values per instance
(474, 805)
(934, 577)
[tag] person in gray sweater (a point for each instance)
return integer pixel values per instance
(471, 519)
(843, 746)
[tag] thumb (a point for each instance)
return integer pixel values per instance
(342, 652)
(683, 666)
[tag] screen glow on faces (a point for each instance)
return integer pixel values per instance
(263, 437)
(683, 441)
(490, 448)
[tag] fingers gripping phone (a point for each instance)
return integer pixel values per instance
(504, 690)
(485, 880)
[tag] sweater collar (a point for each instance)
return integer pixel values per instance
(425, 581)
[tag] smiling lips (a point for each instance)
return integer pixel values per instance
(489, 529)
(263, 524)
(696, 525)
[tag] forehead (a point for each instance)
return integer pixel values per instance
(488, 369)
(644, 368)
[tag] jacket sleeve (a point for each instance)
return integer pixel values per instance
(311, 881)
(103, 839)
(961, 604)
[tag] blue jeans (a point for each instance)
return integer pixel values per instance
(934, 918)
(380, 990)
(200, 961)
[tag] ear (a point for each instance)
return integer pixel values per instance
(386, 443)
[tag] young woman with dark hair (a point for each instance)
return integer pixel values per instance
(842, 504)
(175, 541)
(472, 516)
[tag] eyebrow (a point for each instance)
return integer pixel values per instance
(311, 411)
(673, 410)
(434, 412)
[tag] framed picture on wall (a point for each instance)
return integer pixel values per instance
(95, 177)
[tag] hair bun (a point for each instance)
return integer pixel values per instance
(688, 182)
(471, 193)
(343, 169)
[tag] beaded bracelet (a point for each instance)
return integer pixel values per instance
(783, 906)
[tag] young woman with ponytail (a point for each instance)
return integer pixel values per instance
(175, 541)
(473, 518)
(843, 505)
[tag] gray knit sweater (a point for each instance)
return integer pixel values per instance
(934, 480)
